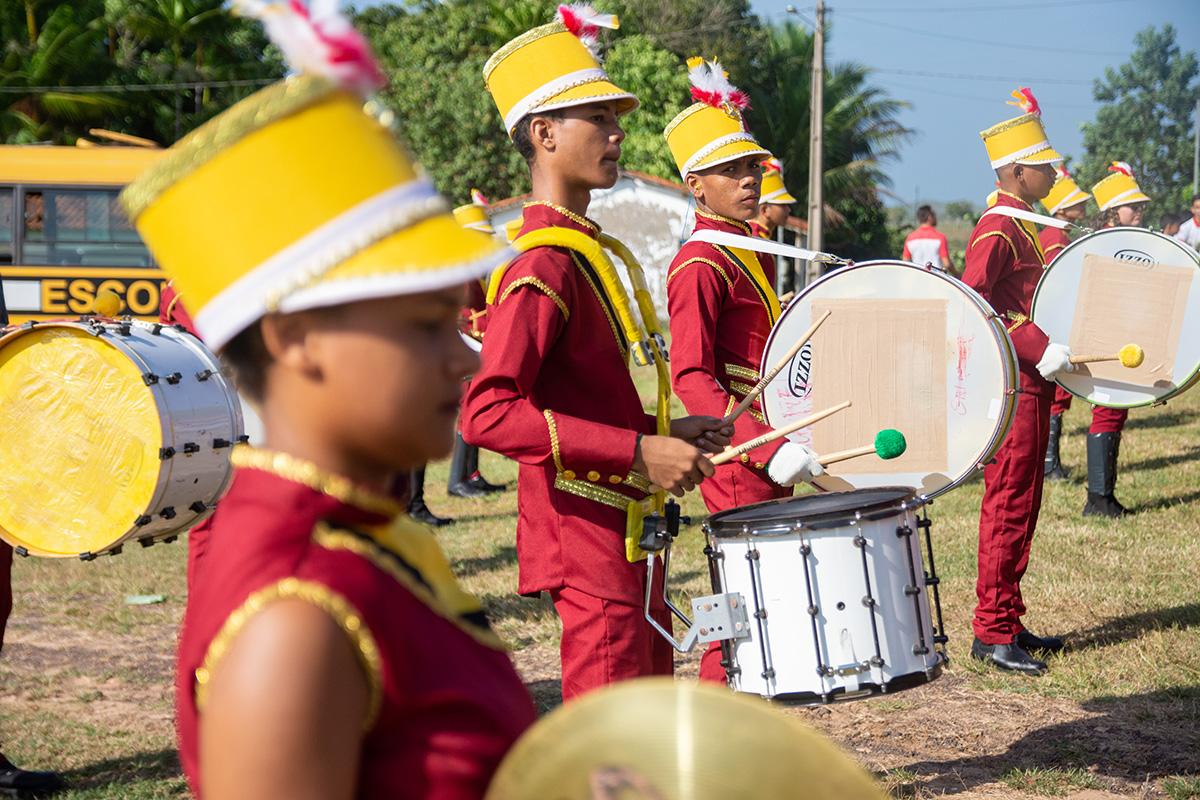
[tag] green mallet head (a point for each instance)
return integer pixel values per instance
(889, 443)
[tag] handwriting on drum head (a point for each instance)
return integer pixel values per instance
(1135, 257)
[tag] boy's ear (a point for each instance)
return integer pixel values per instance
(542, 134)
(287, 340)
(692, 181)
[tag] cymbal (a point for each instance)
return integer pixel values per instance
(661, 739)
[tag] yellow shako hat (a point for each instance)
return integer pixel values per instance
(1065, 193)
(300, 196)
(1021, 140)
(554, 66)
(473, 215)
(712, 130)
(1118, 189)
(773, 189)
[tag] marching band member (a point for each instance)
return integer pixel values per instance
(774, 201)
(554, 392)
(1004, 261)
(1066, 201)
(326, 649)
(465, 479)
(721, 300)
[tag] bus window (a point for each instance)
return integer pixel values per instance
(7, 227)
(79, 227)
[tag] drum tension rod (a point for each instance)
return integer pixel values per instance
(125, 329)
(198, 507)
(204, 374)
(156, 329)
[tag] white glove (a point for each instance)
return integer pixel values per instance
(793, 463)
(1055, 359)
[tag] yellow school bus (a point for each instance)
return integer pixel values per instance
(64, 236)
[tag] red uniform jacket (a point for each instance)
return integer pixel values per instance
(446, 700)
(554, 394)
(172, 312)
(719, 327)
(1004, 263)
(1053, 241)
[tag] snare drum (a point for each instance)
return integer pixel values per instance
(836, 595)
(112, 430)
(914, 349)
(1120, 286)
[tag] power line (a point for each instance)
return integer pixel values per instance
(972, 40)
(958, 76)
(993, 8)
(135, 87)
(993, 100)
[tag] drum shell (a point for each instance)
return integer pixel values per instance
(974, 316)
(199, 419)
(816, 641)
(1057, 293)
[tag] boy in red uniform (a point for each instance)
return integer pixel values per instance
(554, 392)
(721, 299)
(1068, 202)
(774, 201)
(326, 649)
(1004, 262)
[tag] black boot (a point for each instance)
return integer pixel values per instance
(1032, 643)
(1055, 471)
(416, 504)
(1102, 451)
(459, 484)
(1007, 656)
(474, 478)
(16, 782)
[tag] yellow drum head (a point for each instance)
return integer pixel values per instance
(79, 446)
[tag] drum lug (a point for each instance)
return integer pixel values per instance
(146, 541)
(198, 507)
(920, 650)
(911, 591)
(174, 378)
(243, 438)
(167, 513)
(28, 326)
(156, 329)
(204, 375)
(143, 520)
(87, 556)
(219, 443)
(21, 551)
(190, 447)
(166, 452)
(149, 378)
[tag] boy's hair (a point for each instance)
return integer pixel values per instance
(246, 354)
(1195, 197)
(520, 134)
(924, 214)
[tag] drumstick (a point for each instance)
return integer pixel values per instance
(889, 444)
(730, 453)
(775, 370)
(1130, 356)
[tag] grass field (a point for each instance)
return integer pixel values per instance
(86, 678)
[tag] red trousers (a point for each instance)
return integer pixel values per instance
(605, 641)
(1104, 420)
(6, 556)
(1012, 497)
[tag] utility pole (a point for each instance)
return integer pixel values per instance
(816, 130)
(1196, 155)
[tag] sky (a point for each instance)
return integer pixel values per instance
(956, 61)
(1056, 47)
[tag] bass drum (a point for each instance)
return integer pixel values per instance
(1124, 286)
(913, 349)
(113, 430)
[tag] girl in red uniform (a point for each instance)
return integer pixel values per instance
(326, 650)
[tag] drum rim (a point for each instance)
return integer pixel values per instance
(1181, 386)
(994, 322)
(718, 527)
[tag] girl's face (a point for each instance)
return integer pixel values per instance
(1131, 215)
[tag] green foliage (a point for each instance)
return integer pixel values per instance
(661, 84)
(1145, 120)
(960, 210)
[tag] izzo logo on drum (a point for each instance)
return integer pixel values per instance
(1135, 257)
(800, 372)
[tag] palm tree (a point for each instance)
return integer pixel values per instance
(861, 130)
(65, 52)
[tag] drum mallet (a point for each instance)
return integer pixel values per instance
(889, 444)
(1130, 356)
(730, 453)
(748, 400)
